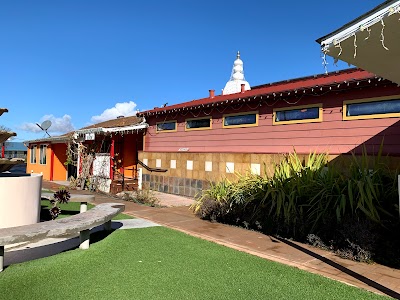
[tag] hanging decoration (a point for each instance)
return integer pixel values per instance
(253, 102)
(369, 23)
(383, 36)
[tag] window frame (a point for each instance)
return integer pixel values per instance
(43, 146)
(199, 128)
(299, 107)
(33, 150)
(241, 114)
(369, 100)
(170, 121)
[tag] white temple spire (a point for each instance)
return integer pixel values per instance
(237, 78)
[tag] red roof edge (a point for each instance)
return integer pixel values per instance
(302, 83)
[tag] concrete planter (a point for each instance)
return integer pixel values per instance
(19, 199)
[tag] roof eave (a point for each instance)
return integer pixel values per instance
(112, 129)
(360, 23)
(253, 94)
(51, 140)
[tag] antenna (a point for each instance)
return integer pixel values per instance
(45, 125)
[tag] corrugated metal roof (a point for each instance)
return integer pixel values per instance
(15, 146)
(115, 123)
(319, 80)
(54, 139)
(119, 122)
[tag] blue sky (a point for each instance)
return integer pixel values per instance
(78, 62)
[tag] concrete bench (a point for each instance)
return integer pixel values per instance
(77, 224)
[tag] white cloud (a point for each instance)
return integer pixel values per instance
(125, 109)
(59, 125)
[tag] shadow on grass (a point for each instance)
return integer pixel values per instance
(349, 272)
(28, 253)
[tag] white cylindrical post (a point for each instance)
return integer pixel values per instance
(1, 258)
(83, 206)
(84, 237)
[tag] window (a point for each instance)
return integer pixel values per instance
(105, 146)
(166, 126)
(383, 107)
(33, 154)
(42, 154)
(198, 124)
(241, 120)
(298, 114)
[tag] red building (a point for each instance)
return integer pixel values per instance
(206, 139)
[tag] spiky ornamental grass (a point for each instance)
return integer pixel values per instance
(305, 195)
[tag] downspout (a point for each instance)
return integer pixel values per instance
(3, 150)
(111, 158)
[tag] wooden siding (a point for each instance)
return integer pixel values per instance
(333, 135)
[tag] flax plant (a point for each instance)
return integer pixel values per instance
(371, 186)
(290, 188)
(305, 195)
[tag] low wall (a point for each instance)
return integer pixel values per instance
(19, 199)
(189, 173)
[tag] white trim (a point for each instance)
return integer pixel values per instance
(112, 129)
(360, 25)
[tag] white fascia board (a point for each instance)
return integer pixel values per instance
(126, 128)
(361, 25)
(112, 129)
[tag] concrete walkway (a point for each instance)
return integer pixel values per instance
(372, 277)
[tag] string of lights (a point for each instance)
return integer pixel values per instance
(271, 99)
(353, 30)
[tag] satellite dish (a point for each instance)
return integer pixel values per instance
(45, 125)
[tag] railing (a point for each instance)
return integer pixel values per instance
(151, 169)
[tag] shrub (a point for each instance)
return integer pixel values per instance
(210, 209)
(143, 196)
(213, 203)
(309, 199)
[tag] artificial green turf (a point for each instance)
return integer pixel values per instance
(73, 208)
(160, 263)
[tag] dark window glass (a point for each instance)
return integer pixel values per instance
(373, 108)
(166, 126)
(240, 120)
(297, 114)
(199, 123)
(105, 146)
